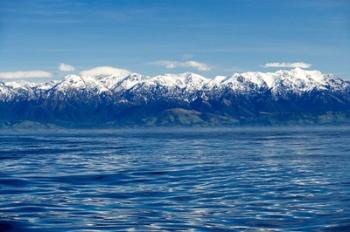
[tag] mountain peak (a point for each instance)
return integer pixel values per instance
(118, 96)
(105, 79)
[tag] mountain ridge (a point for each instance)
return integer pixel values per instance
(124, 98)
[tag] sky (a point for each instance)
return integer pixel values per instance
(51, 38)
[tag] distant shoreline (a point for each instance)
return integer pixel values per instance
(27, 125)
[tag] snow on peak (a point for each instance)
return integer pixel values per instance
(75, 82)
(20, 84)
(46, 85)
(111, 80)
(190, 81)
(295, 80)
(108, 76)
(127, 82)
(5, 92)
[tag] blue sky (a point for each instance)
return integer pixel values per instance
(152, 37)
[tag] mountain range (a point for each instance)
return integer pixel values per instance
(121, 98)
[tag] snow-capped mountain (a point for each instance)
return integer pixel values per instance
(121, 97)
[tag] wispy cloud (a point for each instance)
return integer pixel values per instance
(105, 70)
(66, 67)
(30, 74)
(287, 65)
(171, 64)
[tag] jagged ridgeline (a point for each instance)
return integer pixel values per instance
(294, 96)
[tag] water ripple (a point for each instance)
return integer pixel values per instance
(177, 179)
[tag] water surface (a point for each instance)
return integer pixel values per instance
(286, 179)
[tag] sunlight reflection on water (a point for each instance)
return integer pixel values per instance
(178, 179)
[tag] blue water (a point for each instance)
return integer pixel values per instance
(179, 179)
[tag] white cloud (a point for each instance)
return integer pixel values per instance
(183, 64)
(30, 74)
(105, 70)
(66, 67)
(287, 65)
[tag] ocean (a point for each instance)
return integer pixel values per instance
(187, 179)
